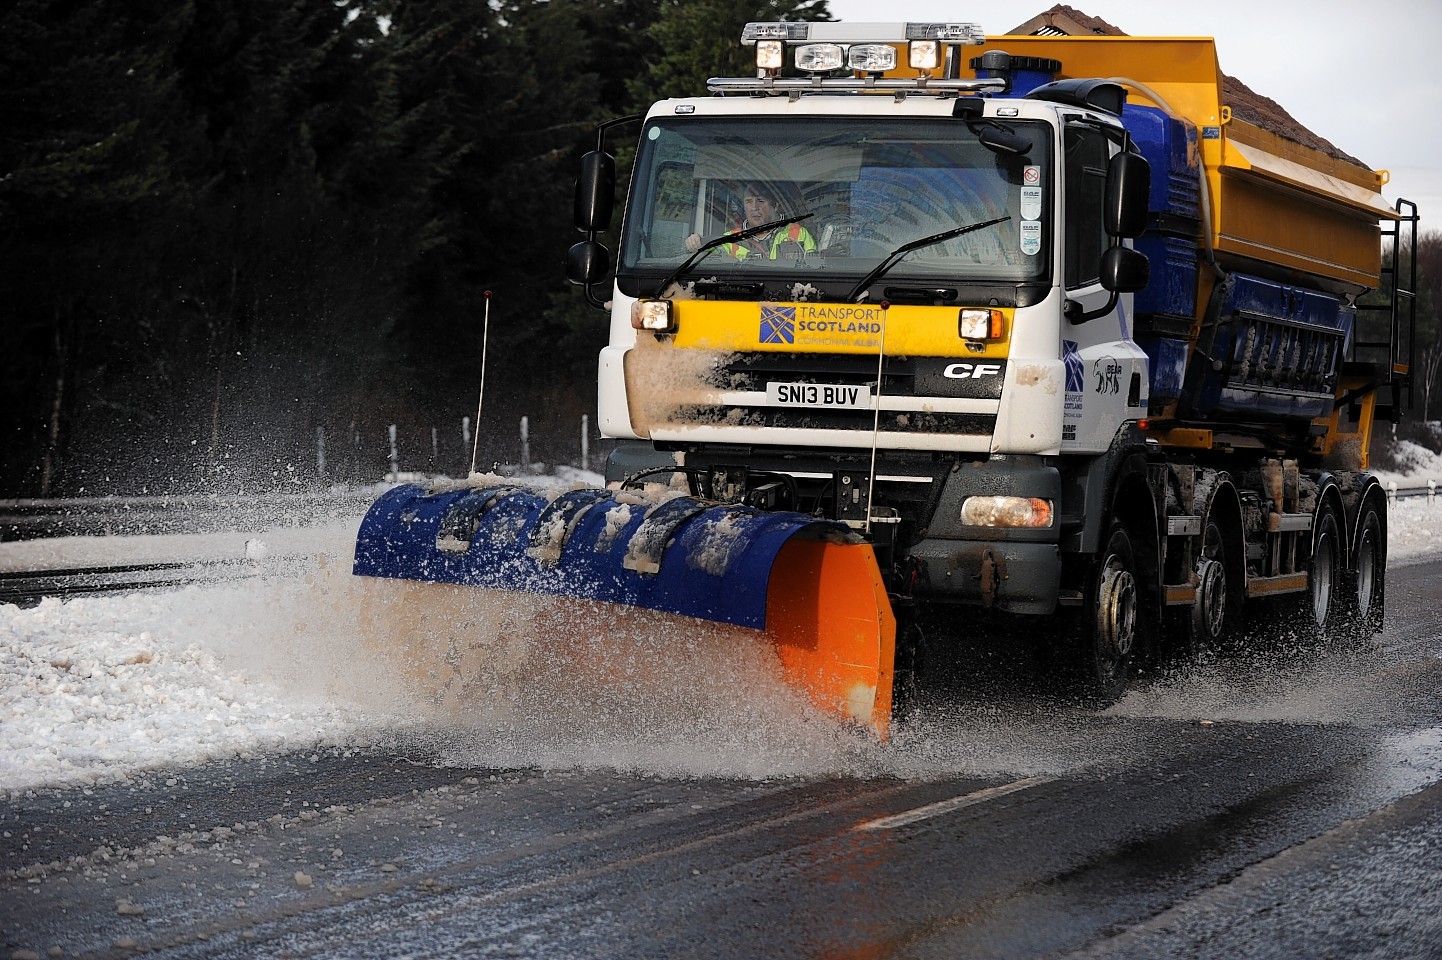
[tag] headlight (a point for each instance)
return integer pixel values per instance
(820, 57)
(1006, 512)
(653, 315)
(770, 54)
(871, 57)
(925, 54)
(979, 324)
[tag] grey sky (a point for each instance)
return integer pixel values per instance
(1367, 76)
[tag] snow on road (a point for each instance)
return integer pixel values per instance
(94, 687)
(98, 688)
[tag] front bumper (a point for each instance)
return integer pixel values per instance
(1011, 577)
(1010, 569)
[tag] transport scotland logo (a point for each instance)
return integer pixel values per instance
(1075, 373)
(778, 324)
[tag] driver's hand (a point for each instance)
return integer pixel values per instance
(693, 242)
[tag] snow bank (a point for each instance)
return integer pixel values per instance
(98, 688)
(93, 689)
(1421, 465)
(1414, 529)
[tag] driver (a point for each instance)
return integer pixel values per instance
(761, 205)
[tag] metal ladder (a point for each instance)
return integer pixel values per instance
(1393, 356)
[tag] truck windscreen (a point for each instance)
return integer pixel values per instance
(863, 187)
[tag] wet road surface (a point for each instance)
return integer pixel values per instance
(1284, 804)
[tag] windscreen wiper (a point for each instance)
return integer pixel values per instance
(895, 256)
(715, 242)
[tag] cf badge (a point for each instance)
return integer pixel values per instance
(971, 371)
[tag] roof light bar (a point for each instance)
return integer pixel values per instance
(803, 31)
(897, 85)
(954, 32)
(824, 46)
(779, 30)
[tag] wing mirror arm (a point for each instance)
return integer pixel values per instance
(589, 262)
(1123, 270)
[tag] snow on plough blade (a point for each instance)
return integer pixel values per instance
(813, 588)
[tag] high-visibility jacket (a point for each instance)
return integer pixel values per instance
(791, 233)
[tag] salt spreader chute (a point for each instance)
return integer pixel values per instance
(811, 586)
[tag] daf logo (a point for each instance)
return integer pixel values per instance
(971, 371)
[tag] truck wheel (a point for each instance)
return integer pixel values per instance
(1321, 604)
(1208, 622)
(1213, 619)
(910, 644)
(1367, 581)
(1109, 622)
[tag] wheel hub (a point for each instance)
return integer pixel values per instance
(1322, 566)
(1117, 610)
(1211, 603)
(1366, 573)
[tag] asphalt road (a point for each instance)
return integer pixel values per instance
(1286, 803)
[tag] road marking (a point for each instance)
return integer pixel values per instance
(955, 803)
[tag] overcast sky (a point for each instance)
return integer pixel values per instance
(1367, 76)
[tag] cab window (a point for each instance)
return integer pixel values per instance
(1085, 180)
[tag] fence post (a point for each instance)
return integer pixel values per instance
(465, 437)
(585, 441)
(1431, 492)
(526, 444)
(1391, 491)
(320, 452)
(395, 457)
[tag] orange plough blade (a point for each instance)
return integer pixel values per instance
(828, 614)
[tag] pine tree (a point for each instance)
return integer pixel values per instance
(699, 39)
(88, 96)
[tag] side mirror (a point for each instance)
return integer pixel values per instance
(587, 262)
(1129, 185)
(595, 192)
(999, 139)
(1124, 270)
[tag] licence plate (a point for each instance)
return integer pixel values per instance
(838, 396)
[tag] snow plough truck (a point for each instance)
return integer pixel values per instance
(915, 326)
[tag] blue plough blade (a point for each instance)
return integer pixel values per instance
(811, 586)
(683, 556)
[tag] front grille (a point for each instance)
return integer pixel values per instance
(752, 371)
(906, 377)
(892, 421)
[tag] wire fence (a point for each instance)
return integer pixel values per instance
(1429, 491)
(452, 451)
(28, 519)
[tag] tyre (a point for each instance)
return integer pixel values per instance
(1106, 640)
(1316, 613)
(910, 643)
(1366, 584)
(1212, 624)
